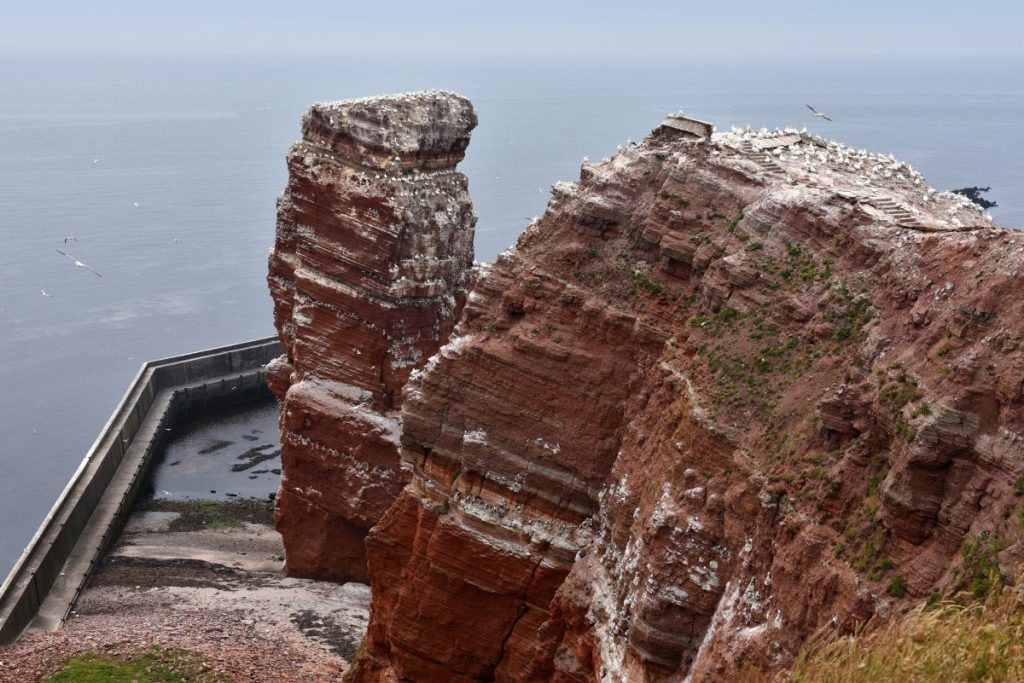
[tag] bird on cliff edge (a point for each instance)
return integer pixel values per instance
(77, 262)
(818, 114)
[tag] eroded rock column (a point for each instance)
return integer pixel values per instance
(369, 270)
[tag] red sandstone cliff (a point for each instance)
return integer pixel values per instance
(723, 393)
(368, 272)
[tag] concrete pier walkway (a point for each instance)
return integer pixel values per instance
(93, 508)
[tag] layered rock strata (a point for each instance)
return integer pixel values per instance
(726, 391)
(368, 272)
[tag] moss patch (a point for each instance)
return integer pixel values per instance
(156, 665)
(645, 282)
(213, 514)
(981, 573)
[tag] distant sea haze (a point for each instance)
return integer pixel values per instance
(166, 171)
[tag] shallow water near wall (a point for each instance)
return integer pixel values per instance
(234, 453)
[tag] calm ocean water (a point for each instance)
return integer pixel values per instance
(198, 144)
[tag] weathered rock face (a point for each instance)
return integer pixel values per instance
(369, 270)
(724, 392)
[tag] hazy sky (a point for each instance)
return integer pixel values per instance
(739, 28)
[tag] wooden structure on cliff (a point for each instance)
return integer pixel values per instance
(684, 124)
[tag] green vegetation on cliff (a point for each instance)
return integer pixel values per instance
(947, 642)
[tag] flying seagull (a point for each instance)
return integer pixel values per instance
(135, 204)
(70, 238)
(44, 292)
(818, 114)
(77, 262)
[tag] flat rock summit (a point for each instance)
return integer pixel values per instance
(729, 390)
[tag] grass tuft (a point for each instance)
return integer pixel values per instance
(214, 514)
(946, 642)
(646, 282)
(156, 665)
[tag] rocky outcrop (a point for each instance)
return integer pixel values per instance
(725, 392)
(368, 272)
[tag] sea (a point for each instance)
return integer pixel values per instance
(165, 169)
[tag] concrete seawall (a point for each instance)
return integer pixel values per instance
(88, 516)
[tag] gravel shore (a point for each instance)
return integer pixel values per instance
(218, 593)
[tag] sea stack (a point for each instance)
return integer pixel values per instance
(368, 273)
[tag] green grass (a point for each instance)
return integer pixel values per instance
(864, 537)
(897, 587)
(156, 665)
(647, 283)
(922, 409)
(668, 196)
(214, 514)
(727, 315)
(735, 221)
(869, 560)
(1018, 486)
(899, 391)
(781, 348)
(946, 642)
(981, 573)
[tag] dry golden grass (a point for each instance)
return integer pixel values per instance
(978, 641)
